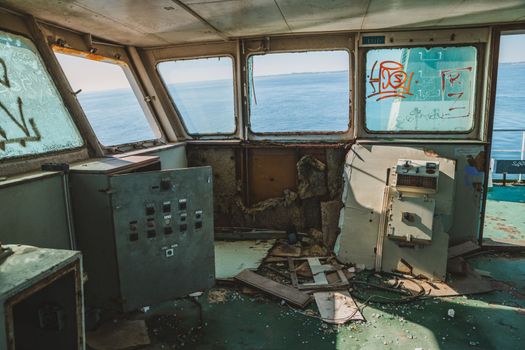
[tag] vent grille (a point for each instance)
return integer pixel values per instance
(417, 181)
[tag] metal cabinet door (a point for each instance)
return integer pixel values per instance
(163, 222)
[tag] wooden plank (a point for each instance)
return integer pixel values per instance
(337, 307)
(290, 294)
(461, 249)
(319, 270)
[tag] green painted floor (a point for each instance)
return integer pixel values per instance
(505, 213)
(491, 321)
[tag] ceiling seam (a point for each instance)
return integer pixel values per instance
(365, 14)
(282, 15)
(125, 25)
(192, 12)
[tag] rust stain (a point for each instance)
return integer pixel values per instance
(477, 162)
(270, 172)
(430, 153)
(84, 54)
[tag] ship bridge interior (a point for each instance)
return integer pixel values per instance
(262, 174)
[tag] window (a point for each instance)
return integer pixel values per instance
(509, 124)
(33, 118)
(114, 107)
(299, 92)
(202, 90)
(421, 89)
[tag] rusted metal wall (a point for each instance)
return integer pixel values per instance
(269, 186)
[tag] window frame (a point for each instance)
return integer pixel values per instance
(178, 112)
(295, 133)
(301, 43)
(477, 97)
(137, 89)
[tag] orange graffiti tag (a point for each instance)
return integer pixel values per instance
(391, 80)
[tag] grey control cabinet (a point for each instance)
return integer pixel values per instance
(146, 237)
(41, 300)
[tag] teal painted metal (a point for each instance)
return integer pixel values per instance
(146, 236)
(31, 277)
(504, 214)
(33, 212)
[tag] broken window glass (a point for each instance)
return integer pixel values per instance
(203, 92)
(421, 89)
(299, 92)
(111, 99)
(33, 118)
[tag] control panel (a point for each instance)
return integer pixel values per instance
(146, 237)
(417, 176)
(412, 204)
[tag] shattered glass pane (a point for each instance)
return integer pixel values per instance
(33, 118)
(421, 89)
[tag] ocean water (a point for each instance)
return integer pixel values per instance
(510, 110)
(284, 103)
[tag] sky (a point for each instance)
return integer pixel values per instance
(512, 48)
(96, 76)
(91, 75)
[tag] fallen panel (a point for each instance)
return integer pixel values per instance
(337, 307)
(233, 257)
(290, 294)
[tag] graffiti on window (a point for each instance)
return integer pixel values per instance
(421, 89)
(20, 121)
(33, 118)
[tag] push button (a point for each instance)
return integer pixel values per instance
(150, 209)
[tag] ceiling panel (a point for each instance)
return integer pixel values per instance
(486, 11)
(241, 17)
(329, 15)
(407, 13)
(163, 22)
(141, 23)
(162, 18)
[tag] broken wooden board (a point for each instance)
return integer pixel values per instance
(119, 335)
(319, 271)
(461, 249)
(290, 294)
(285, 250)
(337, 307)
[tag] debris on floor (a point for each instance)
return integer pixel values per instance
(337, 307)
(282, 291)
(319, 273)
(119, 334)
(217, 296)
(283, 249)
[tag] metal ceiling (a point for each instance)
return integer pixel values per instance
(165, 22)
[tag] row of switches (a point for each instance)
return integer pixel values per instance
(166, 207)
